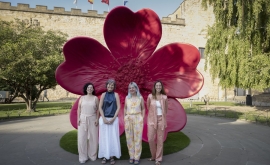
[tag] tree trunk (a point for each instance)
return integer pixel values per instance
(10, 99)
(29, 101)
(34, 105)
(28, 106)
(206, 100)
(225, 90)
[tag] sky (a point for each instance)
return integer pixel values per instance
(162, 7)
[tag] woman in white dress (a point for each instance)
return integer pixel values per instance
(109, 141)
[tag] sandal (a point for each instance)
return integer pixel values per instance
(137, 162)
(151, 159)
(131, 161)
(112, 161)
(104, 161)
(157, 163)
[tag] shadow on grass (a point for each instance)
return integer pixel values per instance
(175, 142)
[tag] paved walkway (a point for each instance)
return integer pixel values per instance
(214, 141)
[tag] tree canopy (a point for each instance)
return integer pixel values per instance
(28, 58)
(238, 46)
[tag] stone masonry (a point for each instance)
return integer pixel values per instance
(187, 24)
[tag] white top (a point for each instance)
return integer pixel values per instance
(159, 109)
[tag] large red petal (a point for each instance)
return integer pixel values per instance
(144, 134)
(86, 60)
(176, 119)
(121, 121)
(121, 114)
(73, 117)
(132, 35)
(175, 65)
(176, 116)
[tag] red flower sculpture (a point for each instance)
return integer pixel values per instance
(132, 39)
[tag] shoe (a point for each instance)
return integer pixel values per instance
(157, 163)
(131, 161)
(82, 162)
(112, 161)
(151, 159)
(136, 162)
(104, 161)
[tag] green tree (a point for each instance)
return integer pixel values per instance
(238, 45)
(28, 58)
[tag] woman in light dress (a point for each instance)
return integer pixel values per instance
(88, 124)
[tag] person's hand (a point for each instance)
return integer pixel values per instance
(105, 121)
(96, 122)
(111, 121)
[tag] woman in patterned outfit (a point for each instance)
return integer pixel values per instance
(134, 115)
(157, 105)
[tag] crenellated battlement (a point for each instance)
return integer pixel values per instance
(56, 10)
(178, 21)
(73, 12)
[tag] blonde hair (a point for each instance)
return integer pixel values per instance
(137, 89)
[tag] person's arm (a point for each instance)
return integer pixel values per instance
(105, 121)
(118, 108)
(142, 107)
(125, 108)
(148, 102)
(97, 103)
(166, 105)
(79, 111)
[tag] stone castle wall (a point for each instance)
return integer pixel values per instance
(187, 24)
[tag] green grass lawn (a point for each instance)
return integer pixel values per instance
(227, 103)
(252, 116)
(15, 110)
(175, 142)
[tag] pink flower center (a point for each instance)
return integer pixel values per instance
(131, 72)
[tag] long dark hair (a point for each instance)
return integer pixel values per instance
(85, 89)
(154, 93)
